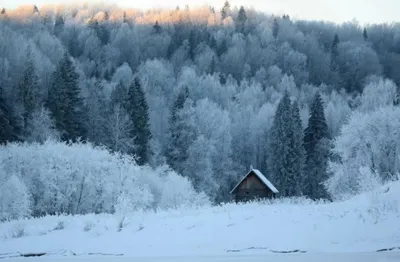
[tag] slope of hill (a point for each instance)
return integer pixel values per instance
(365, 223)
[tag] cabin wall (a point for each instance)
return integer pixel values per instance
(253, 194)
(251, 182)
(252, 188)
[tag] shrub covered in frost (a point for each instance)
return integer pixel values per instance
(54, 178)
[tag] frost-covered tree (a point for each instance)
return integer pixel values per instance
(237, 64)
(368, 140)
(181, 133)
(80, 178)
(378, 93)
(41, 127)
(119, 129)
(15, 201)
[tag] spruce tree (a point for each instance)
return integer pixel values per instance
(275, 28)
(286, 155)
(28, 89)
(65, 102)
(225, 12)
(157, 28)
(138, 111)
(6, 133)
(316, 144)
(222, 48)
(59, 25)
(298, 154)
(335, 44)
(279, 147)
(365, 34)
(242, 19)
(192, 44)
(118, 95)
(96, 110)
(334, 53)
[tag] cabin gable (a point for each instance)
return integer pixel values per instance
(253, 187)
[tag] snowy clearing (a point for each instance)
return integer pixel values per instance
(363, 224)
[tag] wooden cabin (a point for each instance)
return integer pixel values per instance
(254, 185)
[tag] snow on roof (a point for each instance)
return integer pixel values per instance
(266, 182)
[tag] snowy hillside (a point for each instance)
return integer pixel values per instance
(366, 223)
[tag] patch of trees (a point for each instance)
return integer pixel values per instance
(207, 92)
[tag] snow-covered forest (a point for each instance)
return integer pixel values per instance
(103, 108)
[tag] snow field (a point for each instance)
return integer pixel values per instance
(363, 224)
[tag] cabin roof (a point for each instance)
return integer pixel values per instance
(263, 179)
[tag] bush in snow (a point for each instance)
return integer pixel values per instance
(80, 178)
(15, 201)
(349, 180)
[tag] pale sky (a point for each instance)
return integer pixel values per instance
(364, 11)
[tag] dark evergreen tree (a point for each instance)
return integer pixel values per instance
(298, 154)
(213, 43)
(212, 9)
(118, 95)
(242, 19)
(6, 132)
(35, 10)
(281, 157)
(171, 49)
(65, 102)
(3, 11)
(317, 150)
(365, 34)
(286, 154)
(334, 54)
(96, 110)
(59, 25)
(223, 48)
(28, 89)
(73, 45)
(192, 44)
(226, 9)
(275, 28)
(157, 28)
(335, 44)
(101, 31)
(124, 19)
(137, 109)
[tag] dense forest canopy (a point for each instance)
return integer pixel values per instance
(208, 92)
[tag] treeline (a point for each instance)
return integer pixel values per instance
(208, 92)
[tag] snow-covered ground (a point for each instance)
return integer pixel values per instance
(325, 257)
(363, 224)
